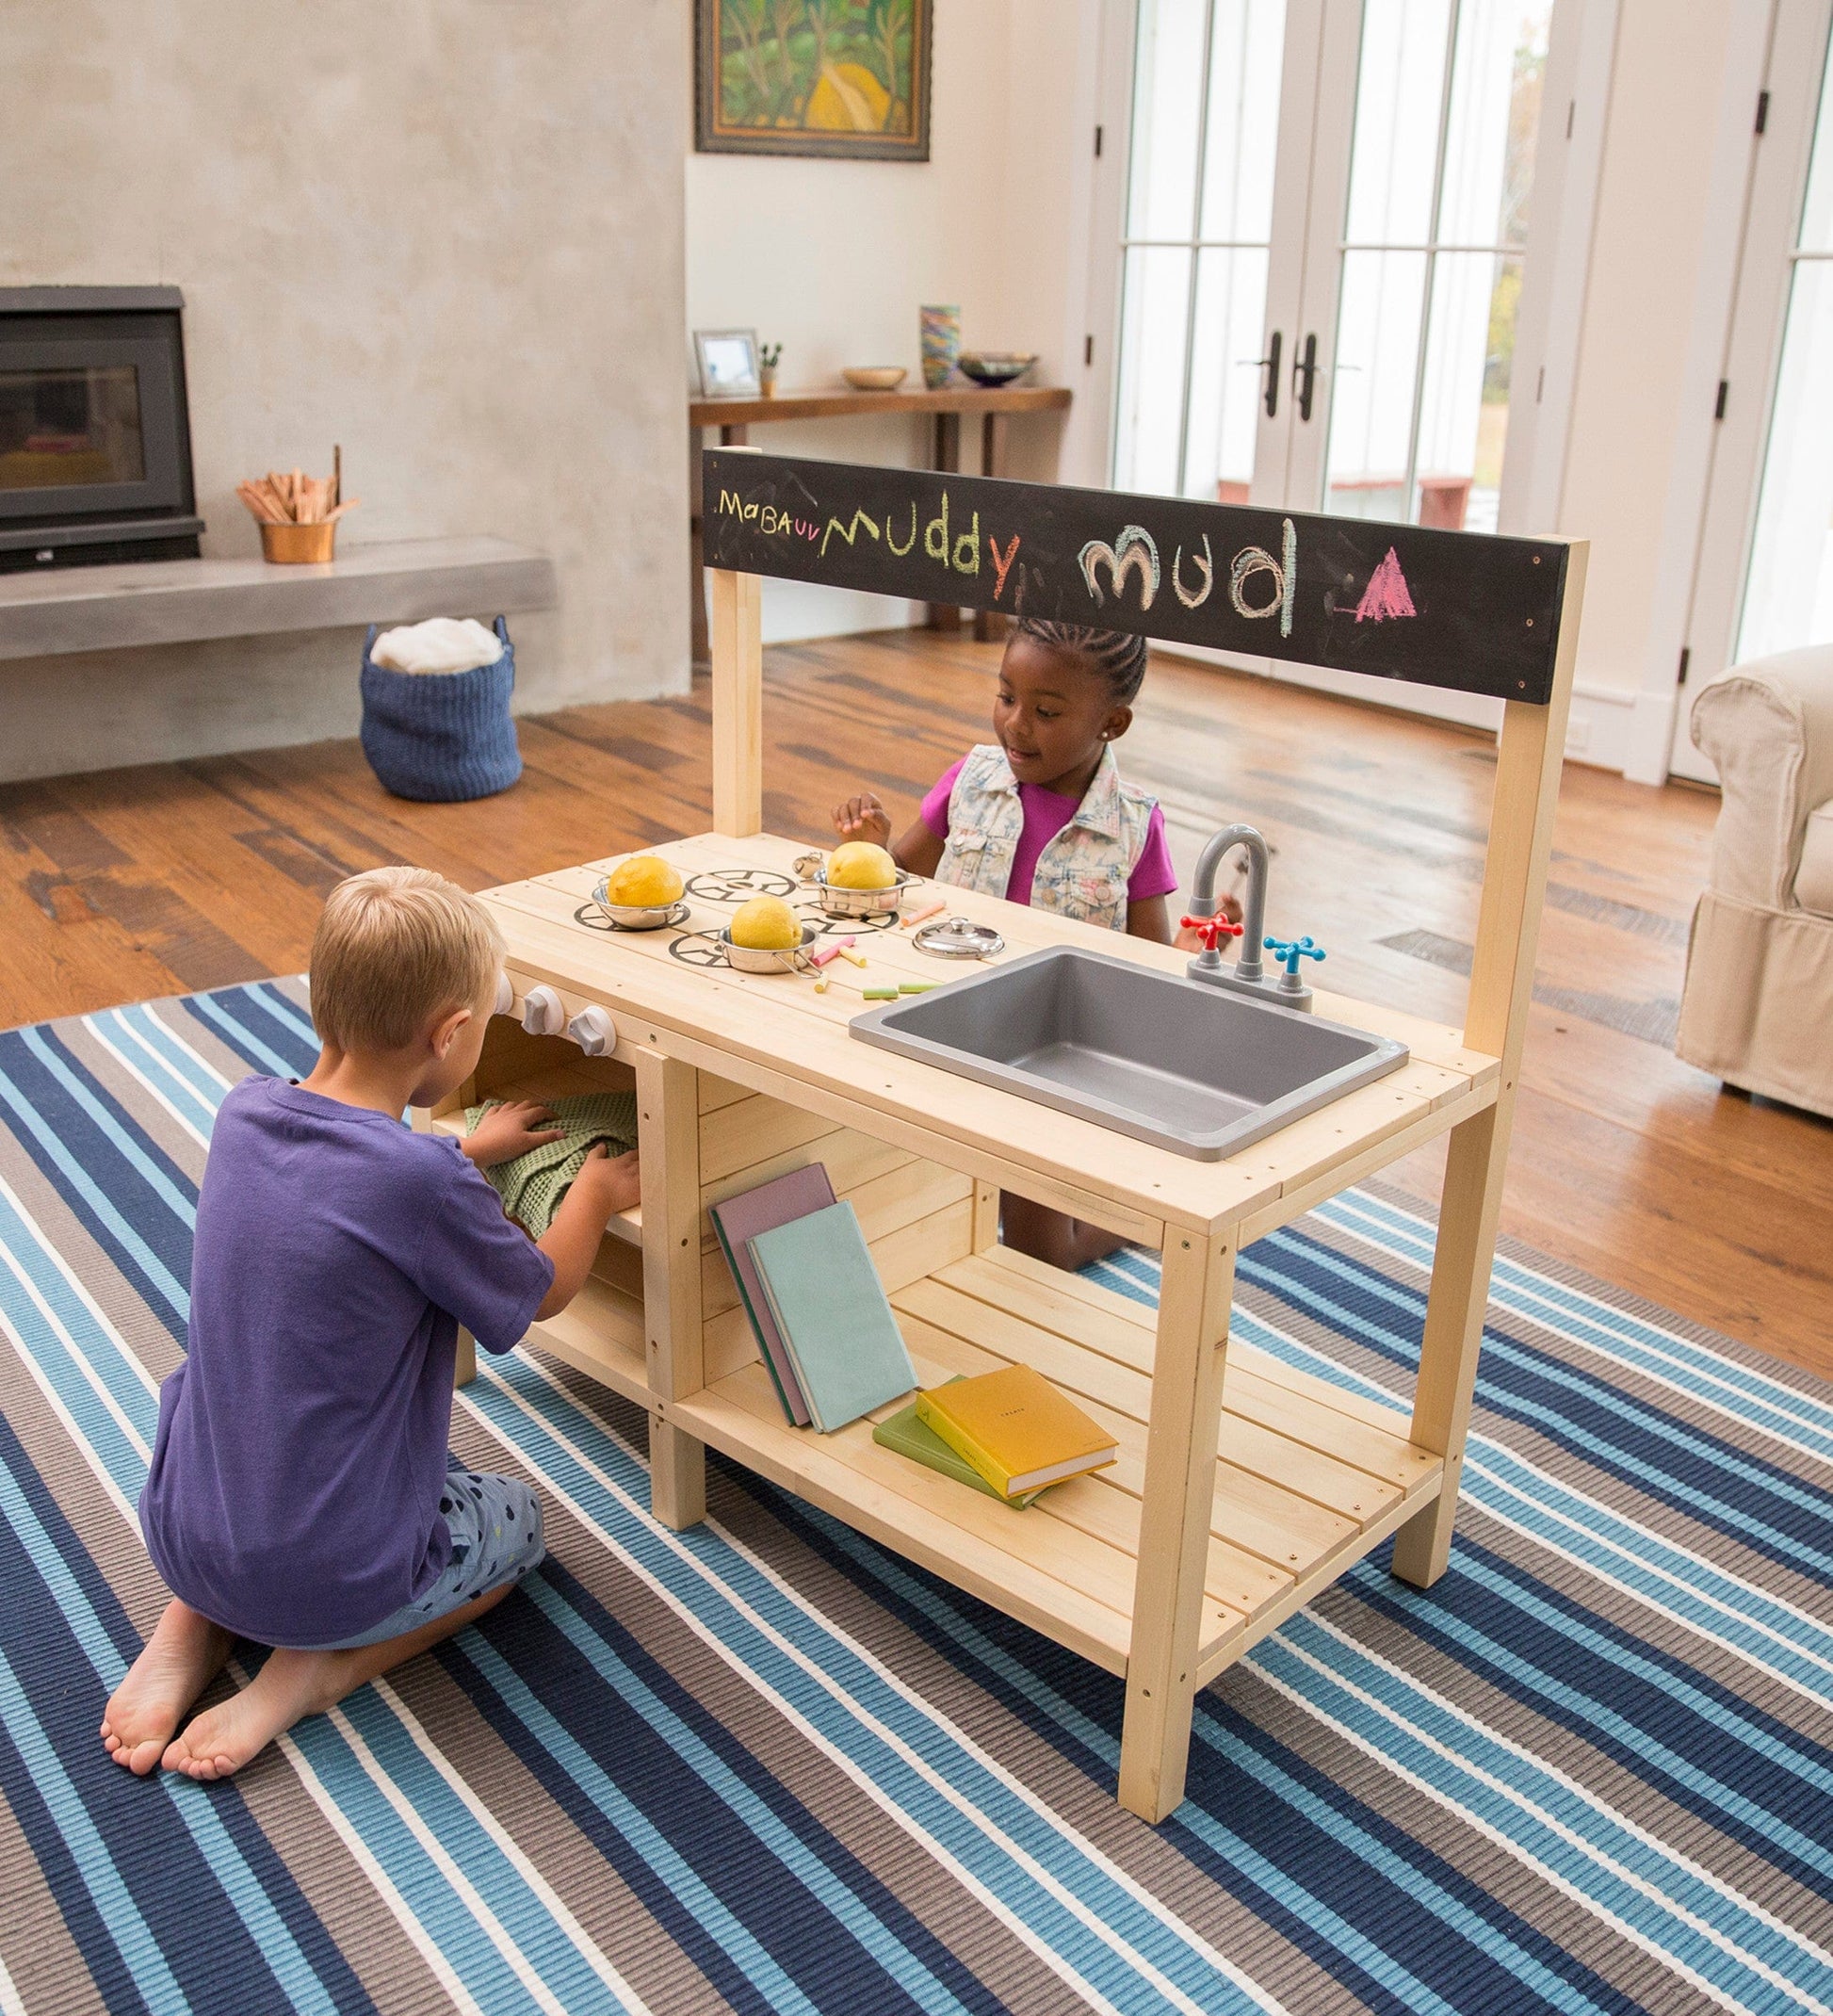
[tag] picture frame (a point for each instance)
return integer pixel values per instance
(726, 359)
(848, 79)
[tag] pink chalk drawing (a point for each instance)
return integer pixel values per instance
(1386, 593)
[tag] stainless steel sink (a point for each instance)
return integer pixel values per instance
(1191, 1067)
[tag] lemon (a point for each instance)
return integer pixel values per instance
(861, 865)
(643, 883)
(765, 925)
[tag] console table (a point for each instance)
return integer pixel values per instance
(995, 404)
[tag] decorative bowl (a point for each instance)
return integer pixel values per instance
(996, 367)
(298, 545)
(875, 377)
(750, 959)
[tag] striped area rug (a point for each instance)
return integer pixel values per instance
(766, 1766)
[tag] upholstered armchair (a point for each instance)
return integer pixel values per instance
(1758, 1007)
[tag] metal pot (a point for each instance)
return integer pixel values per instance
(749, 959)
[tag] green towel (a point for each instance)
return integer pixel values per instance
(533, 1184)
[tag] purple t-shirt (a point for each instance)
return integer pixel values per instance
(1046, 813)
(293, 1491)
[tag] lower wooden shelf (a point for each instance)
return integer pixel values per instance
(1308, 1478)
(600, 1333)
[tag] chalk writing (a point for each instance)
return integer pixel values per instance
(861, 523)
(1386, 593)
(1475, 614)
(1001, 563)
(1207, 566)
(1134, 548)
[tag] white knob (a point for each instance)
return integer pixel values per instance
(543, 1013)
(504, 995)
(593, 1030)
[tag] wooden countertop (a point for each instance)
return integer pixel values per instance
(774, 1034)
(832, 404)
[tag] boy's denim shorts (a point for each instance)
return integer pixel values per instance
(496, 1538)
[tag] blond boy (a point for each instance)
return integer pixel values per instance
(300, 1492)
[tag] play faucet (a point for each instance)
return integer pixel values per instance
(1248, 970)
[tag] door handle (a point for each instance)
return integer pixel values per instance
(1305, 374)
(1270, 364)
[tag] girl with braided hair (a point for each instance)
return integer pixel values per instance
(1042, 815)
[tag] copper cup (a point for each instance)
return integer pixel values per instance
(294, 544)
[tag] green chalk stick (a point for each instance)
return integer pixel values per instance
(877, 994)
(914, 986)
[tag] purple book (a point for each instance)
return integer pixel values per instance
(737, 1221)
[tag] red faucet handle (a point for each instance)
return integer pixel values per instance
(1212, 928)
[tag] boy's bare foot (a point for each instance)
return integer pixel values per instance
(184, 1655)
(294, 1685)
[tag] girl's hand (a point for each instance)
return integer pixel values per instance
(862, 818)
(1188, 939)
(509, 1131)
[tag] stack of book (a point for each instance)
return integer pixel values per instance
(814, 1298)
(1011, 1430)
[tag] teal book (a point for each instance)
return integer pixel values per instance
(830, 1310)
(914, 1437)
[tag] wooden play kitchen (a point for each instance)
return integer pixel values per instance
(1244, 1487)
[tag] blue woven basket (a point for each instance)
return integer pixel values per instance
(441, 736)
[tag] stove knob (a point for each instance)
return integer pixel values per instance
(593, 1030)
(543, 1013)
(504, 996)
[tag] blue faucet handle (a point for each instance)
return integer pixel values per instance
(1288, 951)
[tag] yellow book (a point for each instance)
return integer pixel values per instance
(1016, 1430)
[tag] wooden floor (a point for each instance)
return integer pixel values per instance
(159, 880)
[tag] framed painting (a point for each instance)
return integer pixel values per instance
(849, 78)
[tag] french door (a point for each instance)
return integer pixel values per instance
(1763, 578)
(1323, 239)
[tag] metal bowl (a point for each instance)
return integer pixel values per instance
(634, 916)
(747, 959)
(861, 902)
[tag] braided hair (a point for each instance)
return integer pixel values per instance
(1113, 655)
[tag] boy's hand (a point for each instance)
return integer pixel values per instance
(614, 1182)
(510, 1131)
(862, 818)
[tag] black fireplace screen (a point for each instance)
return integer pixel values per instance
(95, 454)
(63, 426)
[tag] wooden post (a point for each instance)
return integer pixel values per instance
(737, 704)
(1176, 1509)
(989, 626)
(668, 1108)
(1527, 764)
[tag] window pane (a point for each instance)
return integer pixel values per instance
(1155, 312)
(1167, 100)
(1371, 402)
(1463, 397)
(1495, 111)
(1231, 302)
(1788, 598)
(1399, 98)
(1247, 49)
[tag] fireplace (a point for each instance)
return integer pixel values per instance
(95, 438)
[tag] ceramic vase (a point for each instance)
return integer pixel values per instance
(941, 333)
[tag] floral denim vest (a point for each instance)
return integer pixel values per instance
(1082, 873)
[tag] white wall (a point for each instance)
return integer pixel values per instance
(834, 259)
(445, 233)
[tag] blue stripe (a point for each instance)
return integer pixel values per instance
(119, 1033)
(247, 1911)
(215, 1008)
(728, 1576)
(145, 1268)
(300, 1039)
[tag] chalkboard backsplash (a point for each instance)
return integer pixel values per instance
(1473, 612)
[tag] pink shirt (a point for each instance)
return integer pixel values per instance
(1046, 813)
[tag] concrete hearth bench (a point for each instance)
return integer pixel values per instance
(179, 601)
